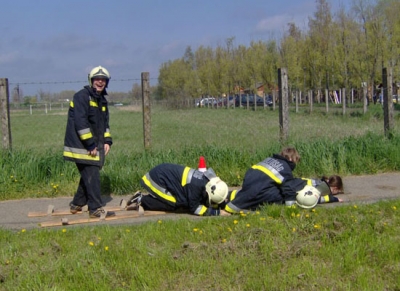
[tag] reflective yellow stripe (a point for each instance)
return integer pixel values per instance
(107, 134)
(81, 156)
(103, 108)
(326, 198)
(230, 210)
(233, 195)
(71, 104)
(92, 103)
(158, 192)
(203, 210)
(184, 176)
(309, 181)
(268, 173)
(86, 136)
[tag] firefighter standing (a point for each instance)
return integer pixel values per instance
(88, 141)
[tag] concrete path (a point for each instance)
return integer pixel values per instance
(358, 189)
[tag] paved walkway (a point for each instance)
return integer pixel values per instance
(358, 189)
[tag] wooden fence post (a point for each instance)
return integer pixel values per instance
(283, 105)
(327, 100)
(387, 100)
(146, 110)
(365, 96)
(343, 99)
(5, 113)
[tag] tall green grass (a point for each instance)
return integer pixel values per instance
(231, 141)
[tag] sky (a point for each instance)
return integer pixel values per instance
(51, 45)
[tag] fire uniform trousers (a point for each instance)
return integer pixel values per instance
(270, 181)
(172, 187)
(323, 187)
(87, 128)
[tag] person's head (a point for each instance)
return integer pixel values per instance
(217, 190)
(290, 154)
(98, 78)
(335, 182)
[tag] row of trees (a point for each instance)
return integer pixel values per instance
(339, 49)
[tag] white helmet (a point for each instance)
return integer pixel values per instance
(99, 72)
(217, 190)
(308, 197)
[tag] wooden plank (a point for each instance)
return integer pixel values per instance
(63, 212)
(135, 214)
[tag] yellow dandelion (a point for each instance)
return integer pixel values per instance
(61, 174)
(243, 214)
(11, 176)
(248, 225)
(293, 214)
(7, 262)
(235, 221)
(293, 229)
(159, 222)
(262, 218)
(355, 206)
(91, 243)
(223, 240)
(127, 230)
(307, 215)
(258, 212)
(394, 208)
(317, 226)
(64, 230)
(355, 220)
(229, 229)
(106, 248)
(195, 229)
(23, 230)
(298, 215)
(201, 232)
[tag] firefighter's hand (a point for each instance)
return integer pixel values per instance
(106, 148)
(224, 213)
(93, 152)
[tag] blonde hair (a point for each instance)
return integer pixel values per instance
(291, 154)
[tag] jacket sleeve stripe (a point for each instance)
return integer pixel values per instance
(200, 210)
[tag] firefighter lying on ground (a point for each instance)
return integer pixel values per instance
(174, 187)
(271, 182)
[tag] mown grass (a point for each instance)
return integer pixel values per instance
(351, 247)
(231, 141)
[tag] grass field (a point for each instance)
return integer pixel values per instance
(351, 247)
(230, 140)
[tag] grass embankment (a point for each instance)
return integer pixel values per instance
(278, 248)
